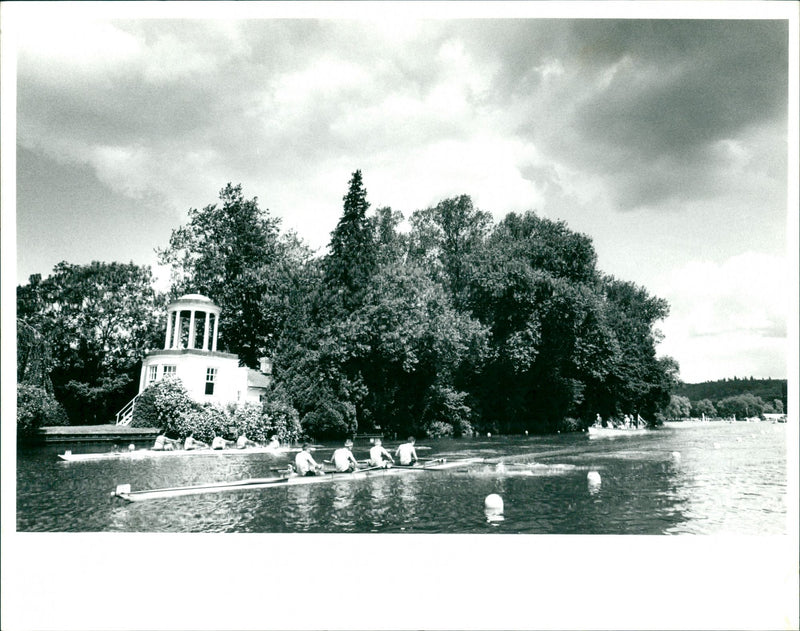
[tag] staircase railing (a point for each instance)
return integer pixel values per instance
(125, 415)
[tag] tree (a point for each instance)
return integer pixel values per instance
(98, 320)
(233, 254)
(410, 348)
(704, 407)
(352, 256)
(678, 407)
(741, 406)
(443, 238)
(638, 381)
(34, 359)
(551, 341)
(391, 244)
(36, 408)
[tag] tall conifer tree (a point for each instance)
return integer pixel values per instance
(353, 252)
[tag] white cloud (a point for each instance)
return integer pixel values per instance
(728, 318)
(79, 46)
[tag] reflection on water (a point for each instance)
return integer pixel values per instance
(712, 478)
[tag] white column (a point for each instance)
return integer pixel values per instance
(216, 330)
(176, 340)
(191, 329)
(205, 330)
(169, 330)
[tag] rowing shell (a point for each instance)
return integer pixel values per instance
(124, 492)
(140, 454)
(611, 432)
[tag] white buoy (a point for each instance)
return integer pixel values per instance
(676, 455)
(131, 447)
(593, 477)
(493, 503)
(526, 432)
(488, 434)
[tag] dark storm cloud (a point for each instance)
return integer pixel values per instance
(689, 83)
(643, 101)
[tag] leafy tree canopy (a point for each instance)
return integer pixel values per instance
(98, 321)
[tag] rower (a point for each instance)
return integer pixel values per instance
(343, 458)
(243, 442)
(305, 464)
(163, 443)
(406, 452)
(192, 443)
(219, 442)
(378, 456)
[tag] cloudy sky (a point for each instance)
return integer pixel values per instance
(664, 140)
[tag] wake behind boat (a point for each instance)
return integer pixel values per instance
(123, 491)
(142, 454)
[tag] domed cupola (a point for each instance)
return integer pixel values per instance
(192, 323)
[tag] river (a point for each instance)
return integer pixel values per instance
(711, 478)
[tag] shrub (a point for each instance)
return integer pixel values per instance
(447, 410)
(251, 419)
(163, 405)
(438, 429)
(284, 420)
(331, 419)
(569, 424)
(36, 408)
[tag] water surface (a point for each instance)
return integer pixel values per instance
(702, 479)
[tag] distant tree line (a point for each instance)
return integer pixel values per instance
(739, 406)
(768, 390)
(455, 325)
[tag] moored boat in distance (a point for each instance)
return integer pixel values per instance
(612, 432)
(141, 454)
(123, 491)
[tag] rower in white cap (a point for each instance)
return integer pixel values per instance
(378, 456)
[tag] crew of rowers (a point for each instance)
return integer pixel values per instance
(343, 459)
(627, 422)
(163, 443)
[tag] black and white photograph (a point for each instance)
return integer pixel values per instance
(387, 315)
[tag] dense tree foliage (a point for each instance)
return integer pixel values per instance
(741, 406)
(457, 325)
(704, 407)
(97, 321)
(678, 408)
(36, 408)
(765, 389)
(233, 253)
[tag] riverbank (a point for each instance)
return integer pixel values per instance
(96, 433)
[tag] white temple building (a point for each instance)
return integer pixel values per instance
(190, 353)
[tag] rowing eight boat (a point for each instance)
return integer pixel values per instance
(124, 492)
(139, 454)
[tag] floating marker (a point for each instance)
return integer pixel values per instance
(488, 434)
(676, 455)
(526, 432)
(131, 447)
(493, 503)
(593, 477)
